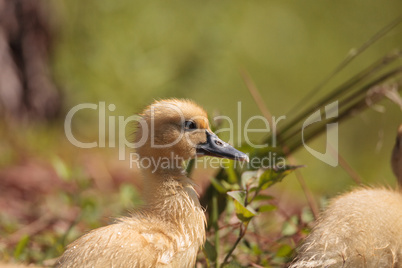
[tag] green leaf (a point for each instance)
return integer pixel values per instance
(239, 196)
(61, 169)
(218, 186)
(232, 176)
(265, 208)
(284, 251)
(229, 186)
(256, 249)
(244, 213)
(273, 175)
(128, 195)
(247, 178)
(307, 216)
(22, 244)
(252, 189)
(290, 227)
(210, 251)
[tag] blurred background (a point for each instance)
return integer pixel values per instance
(55, 55)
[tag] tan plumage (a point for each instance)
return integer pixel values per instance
(362, 228)
(169, 230)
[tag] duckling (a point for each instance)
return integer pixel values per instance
(362, 228)
(169, 230)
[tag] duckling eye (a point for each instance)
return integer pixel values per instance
(190, 125)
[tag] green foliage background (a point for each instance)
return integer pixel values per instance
(131, 52)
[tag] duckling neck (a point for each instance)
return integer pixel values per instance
(172, 197)
(159, 184)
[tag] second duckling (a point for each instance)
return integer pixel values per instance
(362, 228)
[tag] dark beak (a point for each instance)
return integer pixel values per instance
(218, 148)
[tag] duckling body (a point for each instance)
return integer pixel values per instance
(169, 230)
(166, 233)
(362, 228)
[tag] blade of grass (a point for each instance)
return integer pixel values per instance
(264, 110)
(347, 107)
(339, 92)
(309, 196)
(344, 164)
(349, 58)
(252, 88)
(215, 215)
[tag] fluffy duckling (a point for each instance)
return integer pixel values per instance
(169, 230)
(362, 228)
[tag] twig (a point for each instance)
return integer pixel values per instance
(242, 233)
(352, 173)
(309, 196)
(256, 265)
(215, 215)
(252, 88)
(257, 239)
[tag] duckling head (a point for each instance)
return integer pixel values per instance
(178, 130)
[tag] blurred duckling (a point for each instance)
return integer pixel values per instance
(169, 230)
(362, 228)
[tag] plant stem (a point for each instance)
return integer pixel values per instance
(254, 196)
(215, 215)
(206, 258)
(243, 230)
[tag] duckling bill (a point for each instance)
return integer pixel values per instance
(169, 230)
(218, 148)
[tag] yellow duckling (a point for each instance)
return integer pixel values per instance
(169, 230)
(362, 228)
